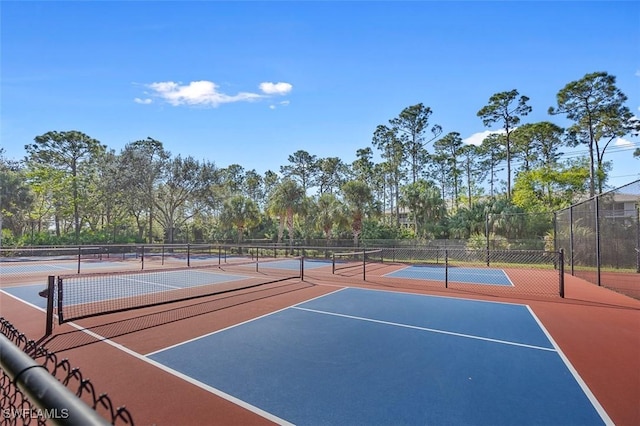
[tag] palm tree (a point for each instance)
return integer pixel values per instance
(357, 195)
(329, 213)
(241, 213)
(287, 200)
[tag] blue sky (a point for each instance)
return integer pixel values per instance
(252, 82)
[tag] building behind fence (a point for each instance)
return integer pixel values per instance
(601, 239)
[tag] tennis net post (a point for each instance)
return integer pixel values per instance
(50, 291)
(561, 271)
(446, 268)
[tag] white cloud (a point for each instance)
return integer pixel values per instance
(275, 88)
(477, 138)
(207, 93)
(202, 92)
(638, 73)
(623, 142)
(146, 101)
(272, 107)
(285, 103)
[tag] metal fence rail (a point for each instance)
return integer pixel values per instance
(38, 388)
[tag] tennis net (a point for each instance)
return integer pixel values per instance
(81, 296)
(355, 259)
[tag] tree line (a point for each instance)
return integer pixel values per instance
(71, 188)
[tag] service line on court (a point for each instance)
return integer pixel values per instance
(431, 330)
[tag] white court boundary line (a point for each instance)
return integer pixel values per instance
(390, 275)
(431, 330)
(592, 398)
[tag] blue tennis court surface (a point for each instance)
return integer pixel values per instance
(360, 356)
(458, 274)
(29, 294)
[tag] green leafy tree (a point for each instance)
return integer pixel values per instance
(505, 108)
(493, 153)
(16, 198)
(254, 187)
(410, 127)
(448, 150)
(303, 168)
(596, 106)
(473, 173)
(386, 140)
(331, 173)
(270, 181)
(330, 214)
(240, 213)
(287, 200)
(548, 189)
(67, 152)
(538, 143)
(184, 181)
(427, 208)
(357, 195)
(362, 167)
(233, 180)
(143, 164)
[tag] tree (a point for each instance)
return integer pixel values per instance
(501, 109)
(16, 198)
(241, 213)
(143, 165)
(331, 174)
(410, 126)
(357, 195)
(474, 174)
(597, 108)
(303, 168)
(253, 186)
(330, 213)
(109, 210)
(184, 181)
(549, 189)
(66, 151)
(448, 150)
(493, 154)
(538, 143)
(426, 206)
(233, 178)
(362, 167)
(270, 181)
(286, 201)
(393, 153)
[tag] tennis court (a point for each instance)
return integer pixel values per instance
(360, 356)
(264, 344)
(482, 276)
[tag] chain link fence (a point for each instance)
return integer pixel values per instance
(39, 388)
(601, 238)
